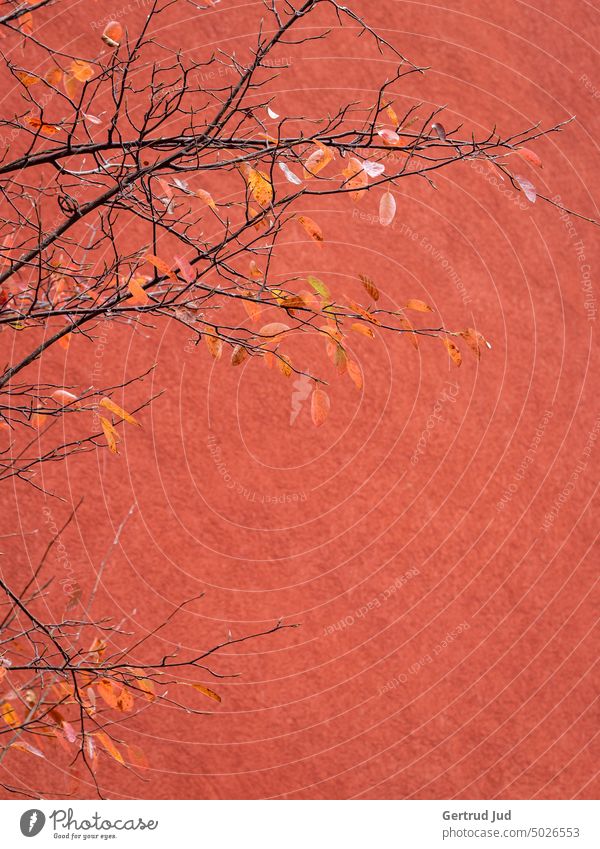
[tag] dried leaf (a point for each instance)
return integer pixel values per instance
(312, 228)
(355, 373)
(9, 715)
(439, 130)
(527, 187)
(363, 329)
(54, 76)
(317, 160)
(81, 70)
(110, 747)
(25, 23)
(206, 691)
(206, 197)
(274, 331)
(417, 305)
(357, 178)
(239, 354)
(118, 411)
(138, 293)
(64, 398)
(319, 287)
(36, 124)
(389, 137)
(289, 174)
(260, 186)
(26, 79)
(529, 156)
(214, 345)
(453, 351)
(185, 269)
(284, 364)
(373, 169)
(25, 747)
(161, 266)
(370, 287)
(113, 33)
(110, 434)
(474, 340)
(319, 406)
(387, 208)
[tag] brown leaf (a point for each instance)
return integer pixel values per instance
(312, 228)
(417, 305)
(206, 691)
(369, 286)
(239, 354)
(453, 351)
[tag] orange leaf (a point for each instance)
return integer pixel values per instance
(474, 340)
(260, 186)
(185, 269)
(317, 160)
(319, 406)
(36, 124)
(274, 331)
(453, 351)
(26, 79)
(160, 266)
(138, 757)
(406, 325)
(107, 692)
(111, 435)
(417, 305)
(356, 178)
(65, 340)
(362, 328)
(9, 714)
(113, 33)
(312, 228)
(64, 398)
(355, 373)
(81, 70)
(529, 156)
(369, 286)
(125, 701)
(214, 345)
(206, 197)
(110, 747)
(25, 23)
(284, 365)
(54, 76)
(118, 411)
(207, 692)
(138, 293)
(146, 685)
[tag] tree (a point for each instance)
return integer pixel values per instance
(215, 176)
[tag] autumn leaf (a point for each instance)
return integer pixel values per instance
(319, 287)
(387, 209)
(125, 701)
(137, 756)
(110, 434)
(81, 70)
(65, 340)
(71, 84)
(284, 365)
(107, 692)
(214, 345)
(357, 178)
(36, 124)
(474, 340)
(439, 130)
(317, 160)
(113, 33)
(289, 174)
(362, 329)
(253, 310)
(392, 114)
(527, 187)
(26, 79)
(54, 76)
(146, 685)
(370, 287)
(65, 398)
(206, 691)
(161, 266)
(206, 198)
(25, 747)
(312, 228)
(319, 406)
(260, 187)
(25, 23)
(453, 351)
(529, 156)
(274, 330)
(389, 137)
(118, 411)
(138, 293)
(406, 325)
(185, 269)
(417, 305)
(238, 355)
(355, 373)
(110, 747)
(9, 715)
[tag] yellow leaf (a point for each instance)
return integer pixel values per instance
(9, 715)
(284, 365)
(207, 692)
(453, 351)
(319, 287)
(260, 186)
(110, 747)
(417, 305)
(118, 411)
(214, 345)
(319, 406)
(362, 328)
(81, 70)
(312, 228)
(111, 435)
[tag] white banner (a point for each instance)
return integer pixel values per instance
(303, 824)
